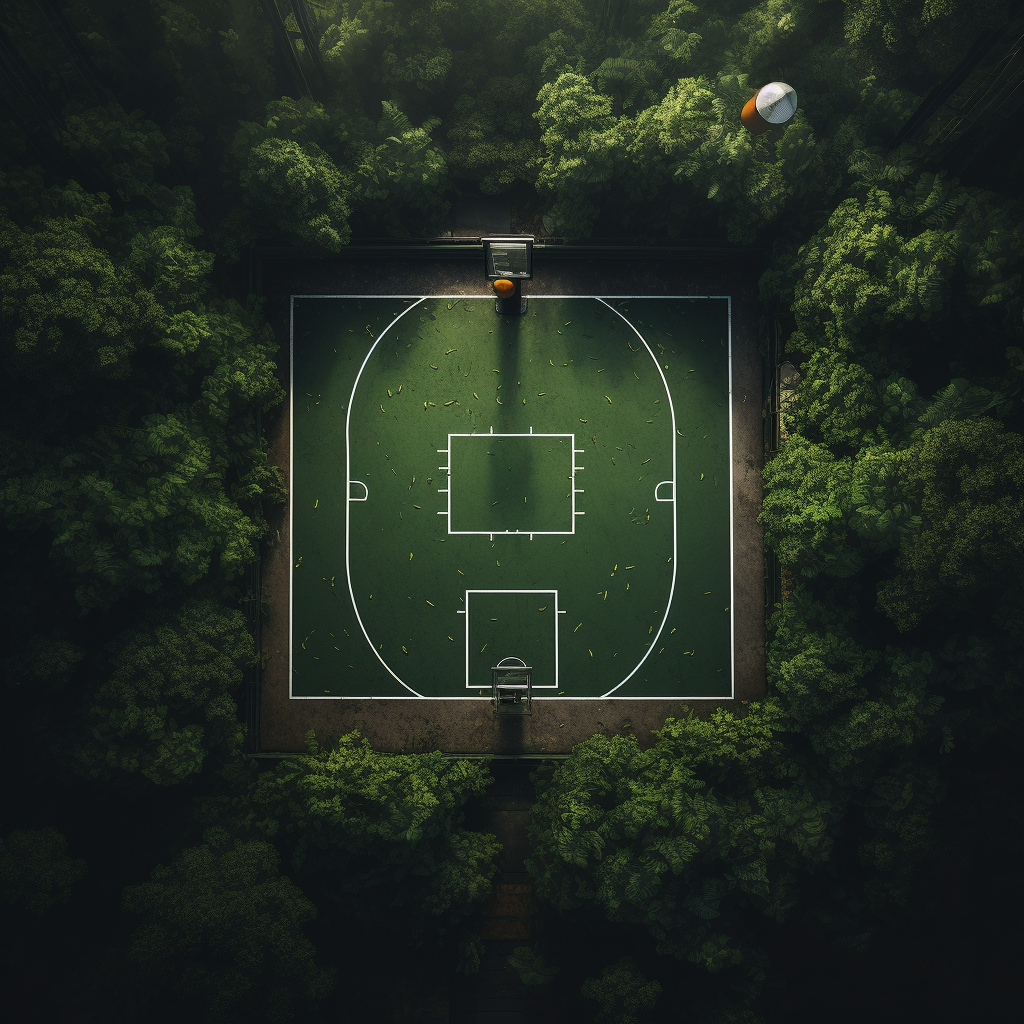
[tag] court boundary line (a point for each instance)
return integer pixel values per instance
(291, 492)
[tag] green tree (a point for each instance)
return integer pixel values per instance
(689, 838)
(129, 147)
(626, 80)
(971, 475)
(222, 931)
(73, 311)
(296, 188)
(843, 406)
(401, 173)
(168, 702)
(623, 993)
(814, 663)
(344, 48)
(248, 43)
(108, 313)
(806, 509)
(304, 173)
(920, 36)
(490, 140)
(884, 505)
(372, 830)
(49, 656)
(577, 154)
(132, 516)
(36, 872)
(887, 258)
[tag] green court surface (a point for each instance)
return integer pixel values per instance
(468, 488)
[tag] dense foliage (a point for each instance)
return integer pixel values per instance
(222, 934)
(368, 830)
(140, 166)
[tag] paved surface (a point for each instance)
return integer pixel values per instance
(454, 726)
(496, 994)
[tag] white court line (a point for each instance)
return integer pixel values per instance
(348, 505)
(491, 534)
(291, 480)
(487, 686)
(732, 530)
(675, 516)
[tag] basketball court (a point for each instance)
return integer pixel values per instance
(468, 487)
(485, 500)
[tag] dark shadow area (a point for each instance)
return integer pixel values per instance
(481, 215)
(510, 738)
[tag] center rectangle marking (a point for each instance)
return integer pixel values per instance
(512, 484)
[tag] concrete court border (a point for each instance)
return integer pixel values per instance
(405, 726)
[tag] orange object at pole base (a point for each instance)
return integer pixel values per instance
(503, 286)
(752, 120)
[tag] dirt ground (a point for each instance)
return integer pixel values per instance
(453, 727)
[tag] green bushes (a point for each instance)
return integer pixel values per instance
(713, 823)
(144, 464)
(169, 700)
(36, 872)
(623, 993)
(221, 933)
(379, 833)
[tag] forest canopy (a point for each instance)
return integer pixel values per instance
(149, 147)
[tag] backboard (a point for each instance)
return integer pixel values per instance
(509, 256)
(512, 689)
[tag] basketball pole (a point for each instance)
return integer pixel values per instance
(513, 302)
(508, 261)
